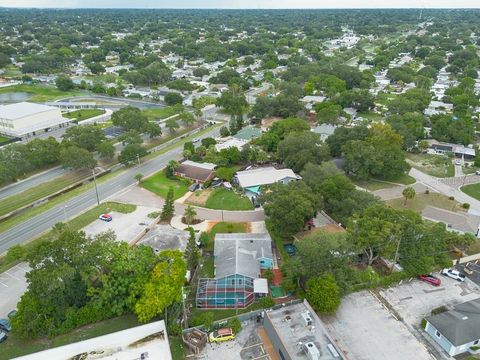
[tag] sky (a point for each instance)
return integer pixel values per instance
(239, 4)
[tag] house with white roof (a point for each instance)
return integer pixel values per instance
(251, 180)
(238, 261)
(25, 119)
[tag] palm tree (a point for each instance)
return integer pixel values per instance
(190, 214)
(408, 193)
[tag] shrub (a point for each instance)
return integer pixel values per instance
(268, 274)
(235, 324)
(154, 215)
(439, 310)
(451, 198)
(427, 191)
(16, 252)
(466, 206)
(266, 302)
(424, 323)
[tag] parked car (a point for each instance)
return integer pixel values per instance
(220, 335)
(433, 280)
(105, 217)
(5, 325)
(193, 187)
(453, 274)
(3, 336)
(477, 172)
(458, 162)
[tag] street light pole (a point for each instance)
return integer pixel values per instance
(65, 212)
(96, 189)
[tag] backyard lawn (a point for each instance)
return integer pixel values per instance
(434, 165)
(228, 200)
(222, 228)
(160, 184)
(421, 201)
(84, 114)
(472, 190)
(15, 347)
(373, 185)
(162, 113)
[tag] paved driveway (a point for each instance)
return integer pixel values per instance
(365, 330)
(12, 286)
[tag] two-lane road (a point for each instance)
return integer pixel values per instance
(31, 228)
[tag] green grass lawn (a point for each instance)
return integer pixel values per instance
(15, 347)
(40, 93)
(228, 200)
(373, 185)
(84, 114)
(373, 116)
(472, 190)
(155, 114)
(421, 201)
(160, 184)
(222, 228)
(38, 192)
(434, 165)
(3, 139)
(176, 347)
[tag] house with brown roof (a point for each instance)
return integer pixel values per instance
(194, 171)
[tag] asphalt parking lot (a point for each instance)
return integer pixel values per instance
(12, 286)
(474, 267)
(125, 226)
(415, 299)
(365, 330)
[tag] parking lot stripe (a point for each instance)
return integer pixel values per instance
(21, 268)
(3, 284)
(12, 276)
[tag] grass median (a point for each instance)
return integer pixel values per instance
(41, 93)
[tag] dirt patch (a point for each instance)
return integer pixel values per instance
(198, 198)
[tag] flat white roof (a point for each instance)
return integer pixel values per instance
(260, 286)
(207, 166)
(22, 109)
(264, 176)
(150, 339)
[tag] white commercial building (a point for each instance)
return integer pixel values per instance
(28, 119)
(148, 341)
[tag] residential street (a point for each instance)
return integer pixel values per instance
(42, 222)
(441, 186)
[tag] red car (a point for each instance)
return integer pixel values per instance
(430, 279)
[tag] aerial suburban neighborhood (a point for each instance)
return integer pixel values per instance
(217, 181)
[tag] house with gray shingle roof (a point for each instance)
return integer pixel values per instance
(457, 330)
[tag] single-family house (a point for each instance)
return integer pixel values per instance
(248, 133)
(230, 143)
(461, 151)
(251, 180)
(197, 172)
(238, 260)
(325, 130)
(457, 330)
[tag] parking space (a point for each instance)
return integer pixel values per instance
(471, 270)
(125, 226)
(247, 345)
(365, 330)
(415, 299)
(12, 286)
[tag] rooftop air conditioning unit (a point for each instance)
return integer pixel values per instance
(307, 318)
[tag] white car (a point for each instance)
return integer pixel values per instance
(453, 274)
(458, 162)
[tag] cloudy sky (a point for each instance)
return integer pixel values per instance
(253, 4)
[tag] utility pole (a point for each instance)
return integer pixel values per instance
(396, 253)
(65, 212)
(96, 189)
